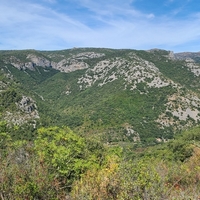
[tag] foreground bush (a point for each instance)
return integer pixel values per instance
(47, 167)
(62, 165)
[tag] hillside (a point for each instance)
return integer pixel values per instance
(99, 124)
(123, 95)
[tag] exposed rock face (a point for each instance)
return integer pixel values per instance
(39, 61)
(70, 65)
(88, 55)
(133, 72)
(16, 62)
(193, 67)
(28, 112)
(171, 55)
(75, 62)
(183, 108)
(27, 105)
(18, 118)
(130, 132)
(2, 85)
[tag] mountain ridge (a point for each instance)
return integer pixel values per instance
(124, 94)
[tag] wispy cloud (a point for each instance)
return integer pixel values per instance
(114, 24)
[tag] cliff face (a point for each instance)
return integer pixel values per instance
(29, 61)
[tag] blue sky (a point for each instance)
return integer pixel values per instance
(134, 24)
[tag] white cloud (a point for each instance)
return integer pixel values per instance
(29, 25)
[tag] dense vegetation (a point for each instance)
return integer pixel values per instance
(60, 164)
(104, 111)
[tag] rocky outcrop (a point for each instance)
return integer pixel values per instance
(193, 67)
(133, 72)
(2, 85)
(171, 55)
(27, 111)
(16, 62)
(183, 107)
(70, 65)
(75, 62)
(27, 105)
(88, 55)
(39, 61)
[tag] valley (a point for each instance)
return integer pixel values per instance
(103, 91)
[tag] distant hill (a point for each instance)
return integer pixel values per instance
(115, 95)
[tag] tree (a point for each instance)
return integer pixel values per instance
(65, 152)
